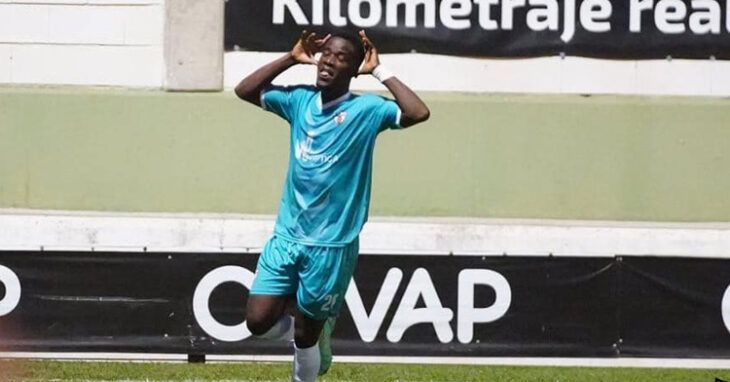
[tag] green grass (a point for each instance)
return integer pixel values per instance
(126, 371)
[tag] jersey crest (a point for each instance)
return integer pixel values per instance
(340, 118)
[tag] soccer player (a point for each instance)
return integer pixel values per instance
(313, 253)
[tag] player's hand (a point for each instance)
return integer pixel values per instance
(307, 46)
(371, 60)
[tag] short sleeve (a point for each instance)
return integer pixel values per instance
(389, 113)
(280, 100)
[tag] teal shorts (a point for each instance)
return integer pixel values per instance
(318, 275)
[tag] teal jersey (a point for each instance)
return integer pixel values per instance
(327, 190)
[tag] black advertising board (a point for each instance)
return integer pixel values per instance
(482, 306)
(397, 305)
(673, 305)
(620, 29)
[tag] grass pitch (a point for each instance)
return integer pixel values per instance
(127, 371)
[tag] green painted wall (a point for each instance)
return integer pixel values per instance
(563, 157)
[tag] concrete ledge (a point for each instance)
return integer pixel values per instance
(58, 230)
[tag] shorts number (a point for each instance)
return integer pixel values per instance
(329, 302)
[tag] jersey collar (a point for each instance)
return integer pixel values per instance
(334, 102)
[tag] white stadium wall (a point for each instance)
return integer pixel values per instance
(550, 75)
(82, 42)
(122, 43)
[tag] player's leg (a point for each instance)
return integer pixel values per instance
(273, 288)
(266, 318)
(325, 347)
(323, 280)
(306, 330)
(306, 352)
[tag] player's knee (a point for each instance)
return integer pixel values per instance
(305, 338)
(258, 325)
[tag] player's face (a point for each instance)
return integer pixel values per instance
(335, 66)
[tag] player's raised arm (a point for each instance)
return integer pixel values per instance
(413, 108)
(249, 89)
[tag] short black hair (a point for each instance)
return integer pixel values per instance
(356, 42)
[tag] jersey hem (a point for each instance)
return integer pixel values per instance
(314, 242)
(271, 293)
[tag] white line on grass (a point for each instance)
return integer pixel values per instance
(678, 363)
